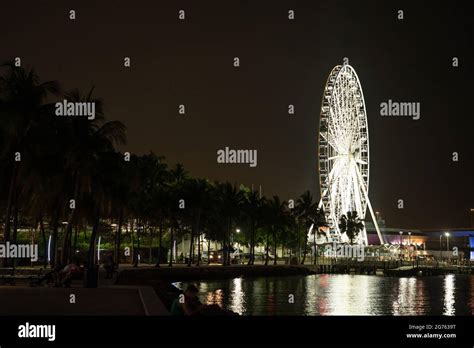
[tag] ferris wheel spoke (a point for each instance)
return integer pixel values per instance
(336, 157)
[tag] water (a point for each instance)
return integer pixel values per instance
(343, 294)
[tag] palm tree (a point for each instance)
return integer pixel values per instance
(161, 202)
(198, 193)
(351, 224)
(89, 139)
(306, 210)
(22, 112)
(119, 195)
(319, 220)
(215, 224)
(45, 185)
(230, 200)
(277, 218)
(178, 176)
(252, 208)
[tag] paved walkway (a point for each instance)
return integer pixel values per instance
(107, 299)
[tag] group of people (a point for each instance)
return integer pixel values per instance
(188, 304)
(61, 275)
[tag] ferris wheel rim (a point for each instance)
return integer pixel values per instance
(325, 167)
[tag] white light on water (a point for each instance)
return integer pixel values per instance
(449, 288)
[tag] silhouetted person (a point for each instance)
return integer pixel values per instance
(189, 305)
(109, 266)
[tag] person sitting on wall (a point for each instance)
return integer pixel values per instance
(187, 303)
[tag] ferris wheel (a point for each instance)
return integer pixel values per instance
(344, 152)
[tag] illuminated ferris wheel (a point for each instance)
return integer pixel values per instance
(344, 152)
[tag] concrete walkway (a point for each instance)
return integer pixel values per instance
(107, 299)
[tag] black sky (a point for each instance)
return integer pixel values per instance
(282, 62)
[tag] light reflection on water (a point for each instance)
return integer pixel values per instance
(449, 288)
(343, 295)
(238, 303)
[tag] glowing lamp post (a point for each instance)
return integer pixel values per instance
(447, 244)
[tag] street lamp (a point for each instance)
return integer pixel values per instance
(447, 243)
(238, 245)
(401, 239)
(440, 255)
(409, 244)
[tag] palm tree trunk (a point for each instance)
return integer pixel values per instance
(253, 245)
(118, 237)
(15, 223)
(150, 256)
(76, 231)
(45, 247)
(191, 242)
(11, 190)
(13, 262)
(249, 262)
(198, 221)
(92, 242)
(224, 251)
(208, 251)
(266, 250)
(159, 243)
(305, 248)
(132, 240)
(253, 252)
(252, 232)
(54, 239)
(137, 258)
(91, 264)
(170, 264)
(199, 249)
(226, 245)
(65, 257)
(275, 247)
(298, 251)
(229, 241)
(314, 247)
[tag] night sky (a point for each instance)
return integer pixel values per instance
(283, 62)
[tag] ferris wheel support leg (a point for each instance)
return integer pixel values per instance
(359, 176)
(382, 242)
(364, 235)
